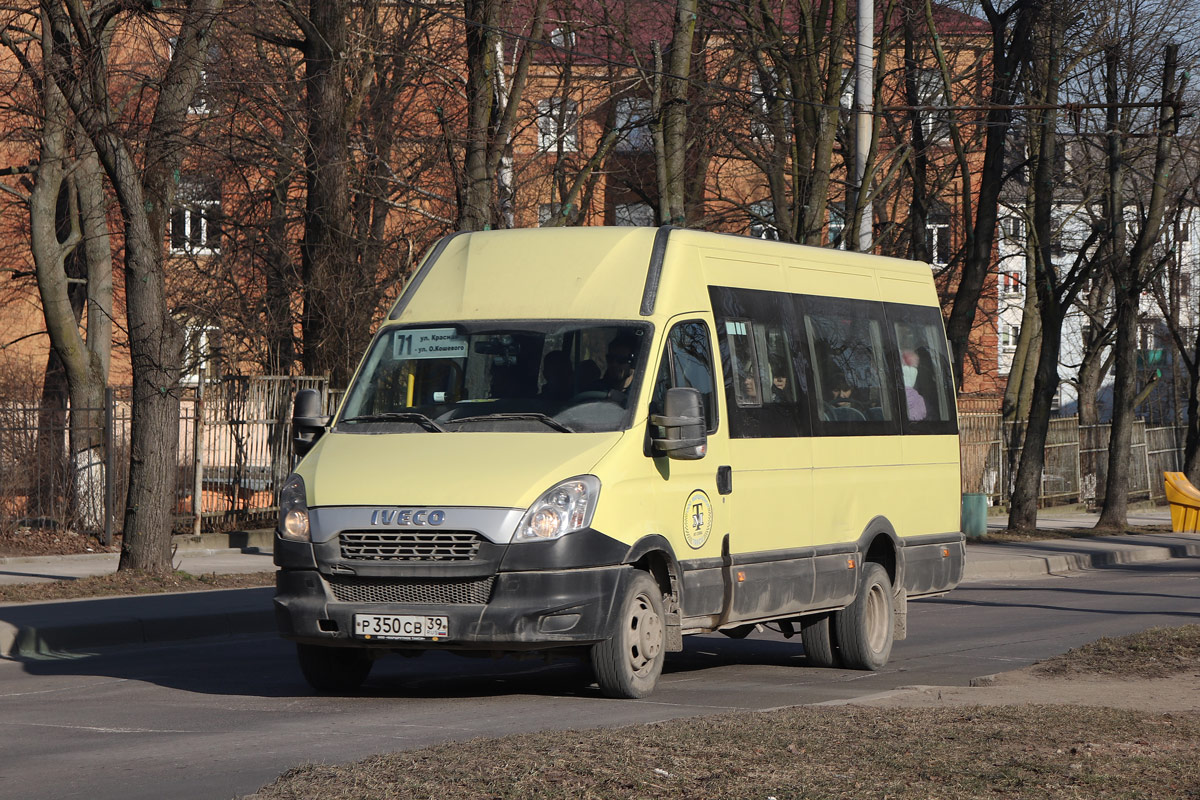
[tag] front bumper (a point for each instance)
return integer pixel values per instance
(527, 610)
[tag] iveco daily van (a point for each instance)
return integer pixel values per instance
(598, 440)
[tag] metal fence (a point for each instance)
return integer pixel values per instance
(1076, 463)
(234, 451)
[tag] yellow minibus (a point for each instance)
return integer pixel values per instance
(598, 440)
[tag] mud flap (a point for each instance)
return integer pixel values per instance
(900, 614)
(673, 633)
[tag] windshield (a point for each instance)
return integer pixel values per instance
(563, 377)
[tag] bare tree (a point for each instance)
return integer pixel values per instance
(142, 162)
(1055, 288)
(69, 242)
(1131, 277)
(1011, 38)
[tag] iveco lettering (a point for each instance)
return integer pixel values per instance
(595, 441)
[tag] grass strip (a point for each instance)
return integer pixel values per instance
(815, 753)
(128, 582)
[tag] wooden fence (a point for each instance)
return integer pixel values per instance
(1076, 460)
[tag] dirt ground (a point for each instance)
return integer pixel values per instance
(50, 542)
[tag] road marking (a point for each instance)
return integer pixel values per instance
(93, 729)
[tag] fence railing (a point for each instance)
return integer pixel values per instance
(1076, 463)
(234, 451)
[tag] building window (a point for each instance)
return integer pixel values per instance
(1011, 282)
(762, 221)
(200, 352)
(204, 97)
(1009, 334)
(633, 125)
(196, 220)
(547, 213)
(562, 37)
(846, 99)
(931, 95)
(1013, 229)
(837, 226)
(937, 241)
(558, 124)
(764, 89)
(633, 214)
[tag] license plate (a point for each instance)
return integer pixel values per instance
(401, 626)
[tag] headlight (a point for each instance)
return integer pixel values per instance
(293, 511)
(565, 508)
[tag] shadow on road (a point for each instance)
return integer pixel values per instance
(257, 665)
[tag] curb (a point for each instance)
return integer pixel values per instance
(1027, 565)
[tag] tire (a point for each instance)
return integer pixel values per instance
(816, 632)
(628, 663)
(864, 628)
(335, 670)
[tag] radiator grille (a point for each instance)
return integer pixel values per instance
(410, 545)
(468, 591)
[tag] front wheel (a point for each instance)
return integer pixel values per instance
(336, 670)
(864, 628)
(628, 663)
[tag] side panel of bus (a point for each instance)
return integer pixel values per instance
(839, 410)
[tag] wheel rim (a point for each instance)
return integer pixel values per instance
(645, 635)
(876, 622)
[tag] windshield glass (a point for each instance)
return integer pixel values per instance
(544, 376)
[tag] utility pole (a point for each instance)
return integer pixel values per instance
(864, 93)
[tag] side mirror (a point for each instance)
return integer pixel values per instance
(681, 425)
(307, 421)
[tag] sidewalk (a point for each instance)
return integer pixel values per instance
(33, 630)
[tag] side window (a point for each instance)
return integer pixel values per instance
(928, 388)
(851, 375)
(764, 364)
(743, 362)
(687, 361)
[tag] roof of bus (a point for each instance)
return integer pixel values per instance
(601, 273)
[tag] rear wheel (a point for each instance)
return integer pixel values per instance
(864, 628)
(334, 669)
(628, 663)
(816, 632)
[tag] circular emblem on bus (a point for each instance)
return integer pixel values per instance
(697, 519)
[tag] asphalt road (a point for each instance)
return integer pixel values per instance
(220, 718)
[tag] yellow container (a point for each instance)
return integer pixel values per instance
(1185, 502)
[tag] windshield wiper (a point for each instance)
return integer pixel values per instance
(533, 415)
(400, 416)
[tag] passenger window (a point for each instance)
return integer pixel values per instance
(928, 388)
(765, 366)
(850, 368)
(687, 361)
(747, 384)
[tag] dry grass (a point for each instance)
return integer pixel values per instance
(1023, 752)
(917, 754)
(129, 582)
(1153, 653)
(1043, 534)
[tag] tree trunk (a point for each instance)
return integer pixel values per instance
(1114, 514)
(1022, 512)
(1129, 285)
(673, 191)
(326, 250)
